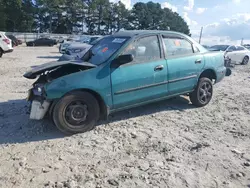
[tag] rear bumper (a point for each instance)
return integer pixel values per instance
(222, 72)
(8, 51)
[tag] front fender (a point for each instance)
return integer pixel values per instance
(85, 80)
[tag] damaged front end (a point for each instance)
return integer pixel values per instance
(46, 73)
(39, 104)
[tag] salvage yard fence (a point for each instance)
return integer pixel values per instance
(25, 37)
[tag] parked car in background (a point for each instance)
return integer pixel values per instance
(86, 40)
(247, 46)
(65, 44)
(20, 42)
(5, 44)
(124, 70)
(42, 42)
(13, 39)
(237, 54)
(206, 46)
(76, 51)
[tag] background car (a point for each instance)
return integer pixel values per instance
(42, 42)
(77, 51)
(5, 44)
(247, 46)
(14, 40)
(81, 40)
(237, 54)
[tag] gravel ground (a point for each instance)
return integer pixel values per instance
(166, 144)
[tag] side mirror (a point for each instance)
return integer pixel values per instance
(123, 59)
(229, 51)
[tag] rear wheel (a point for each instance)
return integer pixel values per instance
(203, 93)
(245, 60)
(77, 112)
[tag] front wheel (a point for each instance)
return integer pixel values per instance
(203, 93)
(1, 52)
(245, 60)
(76, 112)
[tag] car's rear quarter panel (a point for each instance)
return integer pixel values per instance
(215, 61)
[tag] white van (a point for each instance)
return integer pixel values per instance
(5, 44)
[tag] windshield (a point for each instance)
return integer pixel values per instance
(220, 47)
(104, 49)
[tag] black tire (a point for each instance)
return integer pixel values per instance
(203, 93)
(245, 60)
(76, 104)
(1, 52)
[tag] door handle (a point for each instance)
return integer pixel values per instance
(198, 61)
(159, 68)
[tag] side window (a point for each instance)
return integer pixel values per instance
(145, 49)
(177, 47)
(232, 48)
(240, 48)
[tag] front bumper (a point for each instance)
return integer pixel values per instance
(39, 109)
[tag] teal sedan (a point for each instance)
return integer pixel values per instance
(121, 71)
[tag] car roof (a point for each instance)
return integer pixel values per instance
(133, 33)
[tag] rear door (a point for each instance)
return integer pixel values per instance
(240, 53)
(143, 79)
(39, 42)
(184, 62)
(232, 54)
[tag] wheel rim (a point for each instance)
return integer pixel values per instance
(76, 114)
(245, 60)
(205, 92)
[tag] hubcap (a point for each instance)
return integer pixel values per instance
(205, 92)
(76, 113)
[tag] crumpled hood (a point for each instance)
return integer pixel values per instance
(38, 70)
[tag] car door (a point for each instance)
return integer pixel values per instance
(241, 52)
(144, 78)
(39, 42)
(231, 53)
(184, 62)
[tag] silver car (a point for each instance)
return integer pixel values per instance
(77, 50)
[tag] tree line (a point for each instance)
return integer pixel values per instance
(86, 16)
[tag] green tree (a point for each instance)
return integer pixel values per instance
(13, 13)
(151, 16)
(2, 16)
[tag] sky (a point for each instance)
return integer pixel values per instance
(223, 21)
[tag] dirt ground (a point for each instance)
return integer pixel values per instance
(166, 144)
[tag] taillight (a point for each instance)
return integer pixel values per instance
(7, 41)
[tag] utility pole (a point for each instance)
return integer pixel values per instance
(200, 35)
(242, 42)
